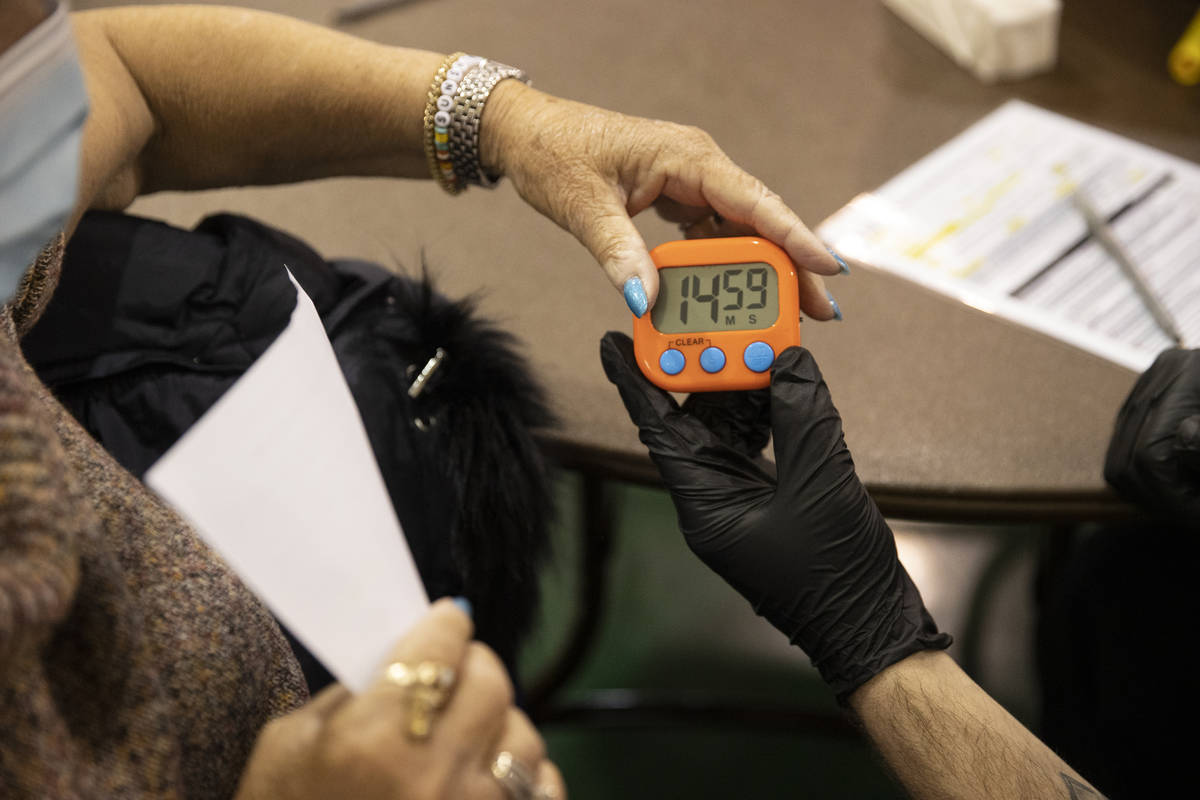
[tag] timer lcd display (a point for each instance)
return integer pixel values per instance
(718, 297)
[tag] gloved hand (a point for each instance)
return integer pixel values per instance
(1153, 458)
(809, 549)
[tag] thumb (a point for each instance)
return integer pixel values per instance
(679, 443)
(605, 228)
(649, 407)
(710, 481)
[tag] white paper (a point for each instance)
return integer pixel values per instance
(279, 478)
(987, 218)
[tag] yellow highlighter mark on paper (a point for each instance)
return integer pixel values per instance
(969, 269)
(920, 250)
(1067, 186)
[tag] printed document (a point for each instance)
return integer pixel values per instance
(988, 219)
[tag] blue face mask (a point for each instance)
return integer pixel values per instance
(43, 105)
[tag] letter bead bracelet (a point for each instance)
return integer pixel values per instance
(454, 106)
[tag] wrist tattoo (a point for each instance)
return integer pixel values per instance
(1079, 790)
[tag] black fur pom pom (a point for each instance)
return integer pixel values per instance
(461, 462)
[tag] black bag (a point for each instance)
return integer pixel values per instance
(151, 324)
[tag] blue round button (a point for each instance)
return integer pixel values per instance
(758, 356)
(671, 362)
(712, 359)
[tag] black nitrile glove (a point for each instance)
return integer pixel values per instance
(1154, 457)
(809, 549)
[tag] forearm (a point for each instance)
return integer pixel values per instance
(199, 97)
(944, 737)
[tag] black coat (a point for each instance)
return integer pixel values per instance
(151, 324)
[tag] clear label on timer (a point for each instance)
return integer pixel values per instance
(720, 297)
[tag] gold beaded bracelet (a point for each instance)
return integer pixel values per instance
(453, 111)
(441, 168)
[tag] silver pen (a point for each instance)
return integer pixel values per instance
(364, 9)
(1104, 235)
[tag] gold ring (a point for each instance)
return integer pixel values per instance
(426, 686)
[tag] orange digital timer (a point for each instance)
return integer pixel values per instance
(725, 309)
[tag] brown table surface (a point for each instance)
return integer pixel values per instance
(949, 412)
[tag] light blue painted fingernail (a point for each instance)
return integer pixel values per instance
(635, 296)
(464, 604)
(840, 261)
(837, 311)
